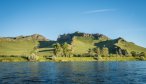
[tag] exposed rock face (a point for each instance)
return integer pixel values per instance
(39, 37)
(68, 37)
(120, 39)
(34, 36)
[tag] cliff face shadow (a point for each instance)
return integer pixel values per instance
(110, 44)
(46, 44)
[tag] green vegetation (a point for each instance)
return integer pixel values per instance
(13, 59)
(80, 47)
(64, 59)
(119, 58)
(105, 51)
(22, 59)
(63, 50)
(69, 47)
(17, 47)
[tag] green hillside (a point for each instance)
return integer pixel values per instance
(17, 47)
(130, 46)
(24, 45)
(46, 48)
(80, 44)
(122, 44)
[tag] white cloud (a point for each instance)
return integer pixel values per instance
(99, 11)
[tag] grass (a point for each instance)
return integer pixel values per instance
(16, 47)
(21, 48)
(59, 59)
(21, 59)
(131, 46)
(119, 58)
(81, 46)
(66, 59)
(43, 59)
(45, 52)
(12, 59)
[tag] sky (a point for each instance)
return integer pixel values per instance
(114, 18)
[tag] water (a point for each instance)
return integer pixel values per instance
(73, 73)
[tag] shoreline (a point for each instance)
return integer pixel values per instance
(72, 59)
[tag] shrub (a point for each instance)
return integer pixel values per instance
(33, 57)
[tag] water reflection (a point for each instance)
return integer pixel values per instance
(73, 73)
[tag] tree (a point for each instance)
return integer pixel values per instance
(105, 51)
(57, 49)
(33, 57)
(125, 52)
(116, 51)
(35, 49)
(133, 53)
(66, 50)
(64, 47)
(142, 54)
(97, 51)
(120, 52)
(89, 52)
(33, 54)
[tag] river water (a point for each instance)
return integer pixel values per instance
(133, 72)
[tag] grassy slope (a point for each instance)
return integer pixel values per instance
(45, 52)
(82, 45)
(131, 46)
(23, 47)
(46, 48)
(16, 47)
(122, 44)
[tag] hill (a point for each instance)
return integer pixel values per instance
(37, 37)
(82, 42)
(86, 37)
(120, 44)
(16, 47)
(21, 45)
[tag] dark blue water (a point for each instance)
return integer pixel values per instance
(73, 73)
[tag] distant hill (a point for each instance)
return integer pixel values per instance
(80, 43)
(85, 36)
(37, 37)
(16, 47)
(120, 43)
(21, 45)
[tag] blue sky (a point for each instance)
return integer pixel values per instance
(114, 18)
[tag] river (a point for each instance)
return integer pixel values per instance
(133, 72)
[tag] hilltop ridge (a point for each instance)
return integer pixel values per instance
(37, 37)
(80, 43)
(70, 36)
